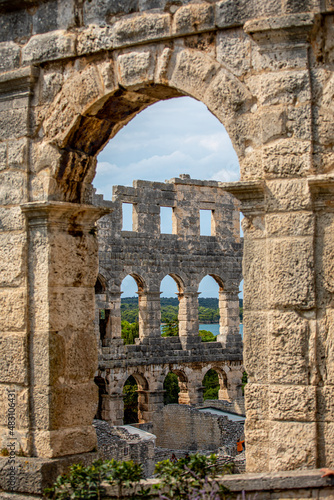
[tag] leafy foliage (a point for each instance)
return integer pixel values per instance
(211, 384)
(191, 477)
(171, 328)
(85, 482)
(130, 401)
(207, 336)
(171, 386)
(130, 332)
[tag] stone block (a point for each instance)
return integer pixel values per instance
(294, 6)
(287, 158)
(290, 272)
(12, 309)
(64, 310)
(273, 125)
(326, 436)
(61, 405)
(60, 120)
(71, 259)
(9, 56)
(256, 401)
(14, 123)
(12, 259)
(299, 122)
(138, 28)
(11, 219)
(294, 403)
(291, 224)
(194, 72)
(67, 441)
(288, 195)
(13, 358)
(17, 153)
(254, 272)
(236, 12)
(21, 406)
(100, 11)
(227, 98)
(293, 445)
(83, 89)
(257, 445)
(48, 47)
(288, 348)
(284, 88)
(234, 51)
(281, 57)
(193, 18)
(107, 72)
(136, 67)
(255, 342)
(94, 39)
(325, 400)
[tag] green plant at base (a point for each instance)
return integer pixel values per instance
(4, 452)
(85, 482)
(192, 477)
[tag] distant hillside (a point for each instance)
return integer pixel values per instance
(208, 311)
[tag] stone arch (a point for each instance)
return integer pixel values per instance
(76, 127)
(223, 381)
(100, 285)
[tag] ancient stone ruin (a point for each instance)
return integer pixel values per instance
(149, 255)
(72, 74)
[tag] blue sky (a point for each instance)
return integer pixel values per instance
(178, 136)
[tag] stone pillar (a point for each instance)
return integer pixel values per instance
(149, 315)
(188, 318)
(279, 325)
(113, 408)
(62, 263)
(229, 330)
(149, 402)
(114, 298)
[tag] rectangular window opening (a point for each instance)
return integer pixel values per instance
(205, 222)
(166, 220)
(127, 213)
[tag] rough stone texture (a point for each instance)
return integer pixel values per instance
(265, 69)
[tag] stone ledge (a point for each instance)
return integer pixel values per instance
(262, 483)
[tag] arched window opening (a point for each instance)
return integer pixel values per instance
(100, 286)
(169, 137)
(211, 385)
(102, 308)
(172, 388)
(208, 309)
(130, 305)
(170, 289)
(130, 391)
(101, 383)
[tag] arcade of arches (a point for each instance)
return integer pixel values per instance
(70, 79)
(148, 256)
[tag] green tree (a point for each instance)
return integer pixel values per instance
(211, 385)
(130, 401)
(130, 332)
(207, 336)
(171, 386)
(171, 328)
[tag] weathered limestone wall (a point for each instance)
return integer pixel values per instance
(184, 428)
(72, 74)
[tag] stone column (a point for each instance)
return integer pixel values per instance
(149, 315)
(113, 408)
(279, 325)
(149, 402)
(229, 330)
(62, 262)
(188, 318)
(114, 298)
